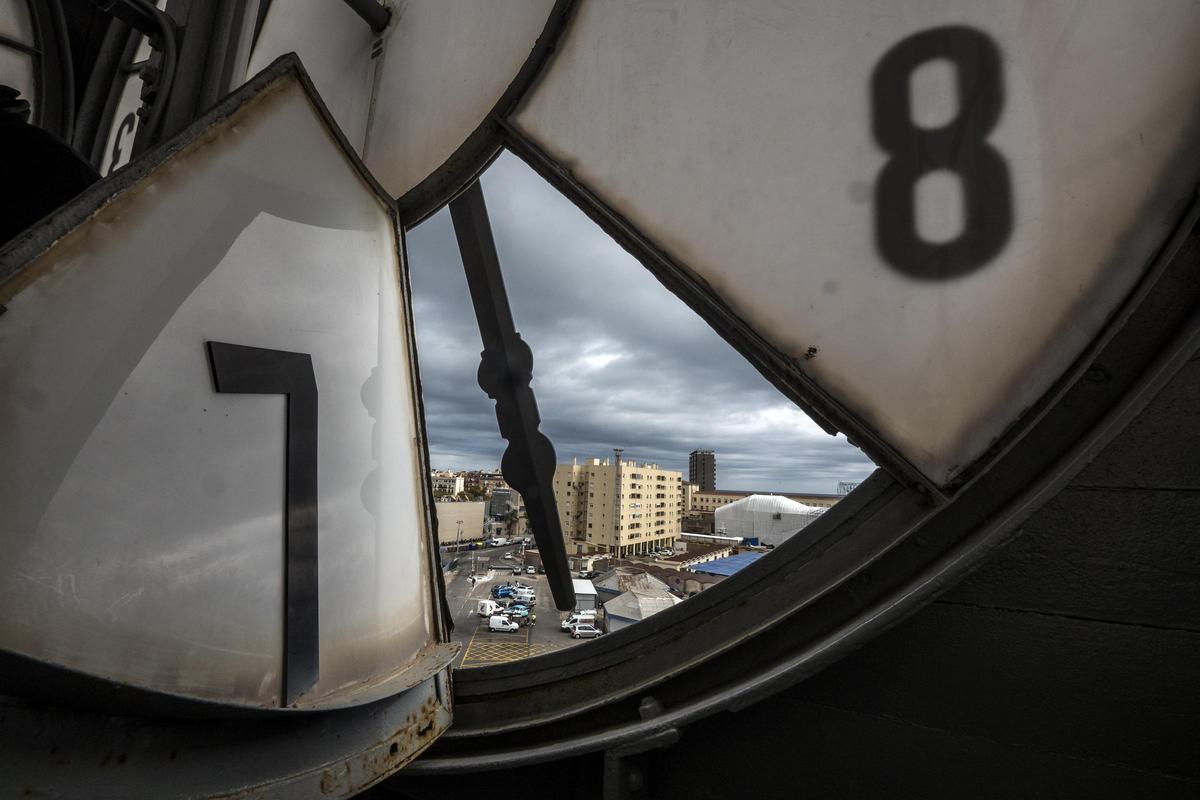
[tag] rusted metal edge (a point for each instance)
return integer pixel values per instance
(68, 754)
(44, 681)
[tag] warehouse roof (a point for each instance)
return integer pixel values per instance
(727, 566)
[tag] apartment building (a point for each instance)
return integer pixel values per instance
(617, 506)
(486, 482)
(446, 483)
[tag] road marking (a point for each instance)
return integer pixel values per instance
(493, 650)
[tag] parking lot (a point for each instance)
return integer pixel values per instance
(481, 647)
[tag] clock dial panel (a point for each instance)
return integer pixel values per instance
(214, 483)
(409, 97)
(931, 206)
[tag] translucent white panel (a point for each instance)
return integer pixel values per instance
(15, 22)
(16, 70)
(334, 45)
(143, 524)
(745, 138)
(447, 64)
(122, 129)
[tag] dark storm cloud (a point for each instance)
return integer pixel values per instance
(618, 360)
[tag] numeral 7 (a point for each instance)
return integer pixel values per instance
(253, 370)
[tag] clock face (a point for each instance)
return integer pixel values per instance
(406, 99)
(214, 475)
(930, 207)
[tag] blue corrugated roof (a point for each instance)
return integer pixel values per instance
(729, 565)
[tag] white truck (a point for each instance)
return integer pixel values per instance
(497, 541)
(486, 608)
(579, 618)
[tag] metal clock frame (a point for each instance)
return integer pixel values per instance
(892, 545)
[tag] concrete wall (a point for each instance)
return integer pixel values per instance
(448, 514)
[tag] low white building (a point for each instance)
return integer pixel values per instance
(585, 594)
(764, 518)
(634, 606)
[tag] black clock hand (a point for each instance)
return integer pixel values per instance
(505, 371)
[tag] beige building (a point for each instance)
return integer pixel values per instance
(451, 515)
(618, 507)
(711, 501)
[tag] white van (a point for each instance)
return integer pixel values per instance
(525, 595)
(487, 608)
(499, 623)
(586, 617)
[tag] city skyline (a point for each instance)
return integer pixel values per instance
(618, 361)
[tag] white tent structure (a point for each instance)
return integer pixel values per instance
(770, 519)
(634, 606)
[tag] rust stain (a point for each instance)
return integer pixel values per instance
(331, 778)
(420, 730)
(379, 761)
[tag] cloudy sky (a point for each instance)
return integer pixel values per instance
(618, 361)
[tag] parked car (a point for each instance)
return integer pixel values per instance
(501, 624)
(579, 617)
(517, 570)
(587, 573)
(502, 591)
(582, 631)
(530, 571)
(508, 556)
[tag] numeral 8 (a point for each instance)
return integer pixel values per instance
(958, 146)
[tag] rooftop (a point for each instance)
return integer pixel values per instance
(728, 566)
(695, 551)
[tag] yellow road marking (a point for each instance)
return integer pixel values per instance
(495, 651)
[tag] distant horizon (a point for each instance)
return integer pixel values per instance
(755, 490)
